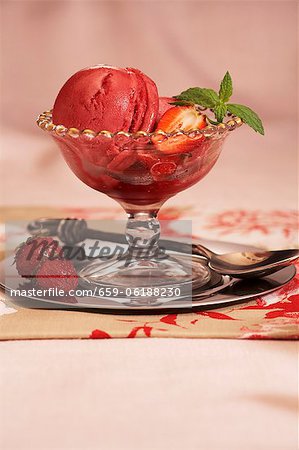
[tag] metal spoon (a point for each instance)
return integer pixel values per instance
(250, 264)
(247, 264)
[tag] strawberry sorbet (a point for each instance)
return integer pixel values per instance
(108, 98)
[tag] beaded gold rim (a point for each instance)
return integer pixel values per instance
(45, 122)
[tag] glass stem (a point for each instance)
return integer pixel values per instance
(142, 234)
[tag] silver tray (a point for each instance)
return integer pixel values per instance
(219, 292)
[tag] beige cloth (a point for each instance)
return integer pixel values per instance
(270, 316)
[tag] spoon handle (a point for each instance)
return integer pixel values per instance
(74, 231)
(198, 249)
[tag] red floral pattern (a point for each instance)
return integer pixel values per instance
(245, 222)
(99, 334)
(278, 317)
(145, 328)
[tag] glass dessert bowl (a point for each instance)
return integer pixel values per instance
(141, 171)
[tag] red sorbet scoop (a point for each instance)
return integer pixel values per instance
(107, 98)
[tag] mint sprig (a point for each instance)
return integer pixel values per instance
(207, 98)
(220, 111)
(218, 103)
(226, 88)
(247, 115)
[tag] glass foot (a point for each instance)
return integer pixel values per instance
(146, 272)
(127, 272)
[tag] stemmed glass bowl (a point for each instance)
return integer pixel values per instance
(141, 171)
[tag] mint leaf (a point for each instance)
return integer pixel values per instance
(207, 98)
(220, 111)
(213, 122)
(226, 88)
(247, 115)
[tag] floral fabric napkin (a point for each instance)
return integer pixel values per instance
(273, 316)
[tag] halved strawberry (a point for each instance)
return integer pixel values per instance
(181, 118)
(162, 170)
(57, 273)
(31, 253)
(184, 118)
(148, 159)
(122, 161)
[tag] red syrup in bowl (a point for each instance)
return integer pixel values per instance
(140, 173)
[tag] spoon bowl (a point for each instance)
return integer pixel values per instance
(248, 264)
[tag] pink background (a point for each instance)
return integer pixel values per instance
(179, 44)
